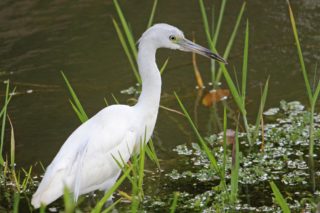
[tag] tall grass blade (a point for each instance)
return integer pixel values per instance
(206, 23)
(174, 202)
(27, 179)
(151, 152)
(42, 208)
(154, 6)
(316, 95)
(3, 126)
(235, 171)
(69, 205)
(111, 207)
(78, 113)
(312, 97)
(233, 89)
(245, 65)
(279, 198)
(164, 66)
(12, 145)
(141, 166)
(261, 109)
(16, 201)
(224, 137)
(115, 99)
(127, 51)
(231, 39)
(75, 99)
(212, 159)
(126, 29)
(302, 64)
(217, 29)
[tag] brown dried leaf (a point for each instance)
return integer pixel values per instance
(215, 96)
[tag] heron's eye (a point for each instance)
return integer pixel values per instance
(172, 38)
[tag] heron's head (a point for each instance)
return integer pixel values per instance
(167, 36)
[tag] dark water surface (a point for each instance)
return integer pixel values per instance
(38, 39)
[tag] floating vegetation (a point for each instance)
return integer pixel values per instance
(284, 160)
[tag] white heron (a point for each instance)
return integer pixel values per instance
(84, 162)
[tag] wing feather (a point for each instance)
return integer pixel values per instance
(84, 163)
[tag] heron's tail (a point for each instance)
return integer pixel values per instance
(48, 191)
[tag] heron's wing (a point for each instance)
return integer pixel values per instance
(97, 167)
(87, 148)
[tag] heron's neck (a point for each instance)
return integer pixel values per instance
(150, 76)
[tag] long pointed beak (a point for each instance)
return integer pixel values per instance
(189, 46)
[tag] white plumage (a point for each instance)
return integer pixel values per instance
(85, 163)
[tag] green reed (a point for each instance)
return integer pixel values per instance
(312, 95)
(279, 198)
(75, 102)
(127, 39)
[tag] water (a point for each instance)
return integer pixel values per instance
(39, 39)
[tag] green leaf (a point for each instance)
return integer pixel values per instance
(164, 66)
(126, 50)
(154, 6)
(174, 202)
(217, 29)
(302, 64)
(279, 198)
(261, 109)
(203, 144)
(235, 171)
(76, 103)
(245, 65)
(231, 39)
(126, 28)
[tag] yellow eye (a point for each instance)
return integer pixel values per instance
(172, 38)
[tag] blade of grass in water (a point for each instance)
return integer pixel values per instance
(261, 108)
(235, 171)
(16, 201)
(212, 159)
(205, 23)
(42, 208)
(12, 145)
(126, 50)
(76, 103)
(233, 89)
(141, 165)
(3, 126)
(224, 137)
(174, 202)
(69, 205)
(231, 39)
(111, 207)
(115, 99)
(151, 152)
(217, 29)
(154, 6)
(245, 65)
(126, 29)
(27, 178)
(164, 66)
(312, 97)
(279, 198)
(303, 67)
